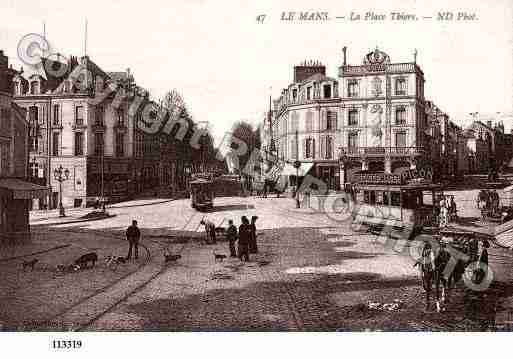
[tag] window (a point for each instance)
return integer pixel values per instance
(308, 93)
(327, 91)
(79, 115)
(395, 199)
(33, 128)
(309, 148)
(55, 144)
(331, 123)
(98, 143)
(400, 139)
(56, 115)
(98, 119)
(352, 140)
(120, 144)
(294, 95)
(17, 88)
(327, 147)
(4, 158)
(79, 144)
(353, 118)
(400, 86)
(293, 149)
(34, 169)
(34, 88)
(400, 116)
(294, 119)
(309, 121)
(352, 89)
(120, 119)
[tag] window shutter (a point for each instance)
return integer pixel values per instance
(323, 147)
(313, 148)
(304, 148)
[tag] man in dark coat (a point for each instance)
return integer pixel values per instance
(253, 242)
(133, 235)
(244, 239)
(231, 235)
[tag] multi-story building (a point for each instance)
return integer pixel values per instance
(371, 118)
(499, 144)
(85, 128)
(15, 191)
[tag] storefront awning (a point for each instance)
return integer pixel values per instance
(18, 189)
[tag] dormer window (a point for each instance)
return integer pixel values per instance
(17, 87)
(327, 91)
(294, 95)
(308, 93)
(34, 88)
(67, 86)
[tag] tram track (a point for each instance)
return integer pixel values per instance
(57, 318)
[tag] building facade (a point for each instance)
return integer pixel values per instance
(371, 117)
(77, 122)
(15, 192)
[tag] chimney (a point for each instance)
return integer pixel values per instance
(344, 51)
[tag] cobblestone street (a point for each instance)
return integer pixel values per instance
(311, 273)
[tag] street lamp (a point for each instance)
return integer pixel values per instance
(342, 159)
(60, 174)
(297, 164)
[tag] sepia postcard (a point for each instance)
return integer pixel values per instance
(239, 167)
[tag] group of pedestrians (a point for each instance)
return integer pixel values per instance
(246, 237)
(447, 210)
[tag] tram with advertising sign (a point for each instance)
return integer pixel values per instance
(391, 200)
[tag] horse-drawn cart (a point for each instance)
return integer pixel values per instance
(436, 267)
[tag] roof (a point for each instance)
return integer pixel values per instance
(318, 77)
(118, 75)
(20, 189)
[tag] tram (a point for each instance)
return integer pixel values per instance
(202, 194)
(384, 199)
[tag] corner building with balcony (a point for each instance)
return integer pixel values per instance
(371, 118)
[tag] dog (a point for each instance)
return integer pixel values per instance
(62, 268)
(168, 257)
(113, 261)
(30, 264)
(219, 257)
(83, 261)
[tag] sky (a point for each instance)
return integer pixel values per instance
(226, 64)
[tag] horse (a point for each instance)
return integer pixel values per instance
(483, 199)
(432, 266)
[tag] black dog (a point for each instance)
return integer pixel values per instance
(84, 260)
(30, 264)
(171, 257)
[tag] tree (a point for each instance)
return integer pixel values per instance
(243, 131)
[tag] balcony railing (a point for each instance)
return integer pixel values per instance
(361, 69)
(380, 151)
